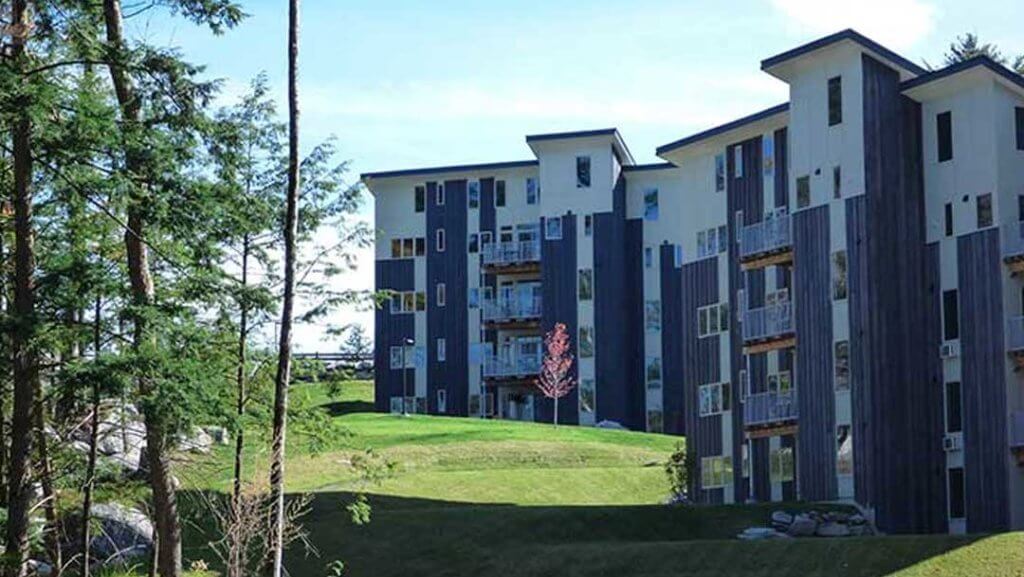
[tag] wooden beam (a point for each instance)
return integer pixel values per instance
(526, 267)
(772, 345)
(784, 257)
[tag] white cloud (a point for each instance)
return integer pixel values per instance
(899, 24)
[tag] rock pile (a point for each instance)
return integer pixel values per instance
(810, 524)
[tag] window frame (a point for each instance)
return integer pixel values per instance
(944, 136)
(987, 209)
(720, 170)
(419, 198)
(1018, 118)
(588, 225)
(585, 352)
(651, 209)
(532, 191)
(840, 372)
(848, 469)
(440, 295)
(553, 233)
(440, 240)
(500, 199)
(948, 417)
(585, 279)
(803, 191)
(950, 315)
(439, 195)
(737, 161)
(840, 276)
(948, 221)
(835, 101)
(583, 172)
(473, 194)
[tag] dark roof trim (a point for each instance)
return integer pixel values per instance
(848, 34)
(645, 167)
(711, 133)
(566, 135)
(444, 169)
(963, 66)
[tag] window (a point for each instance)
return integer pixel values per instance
(586, 395)
(768, 155)
(714, 399)
(1020, 208)
(486, 237)
(652, 316)
(421, 301)
(719, 172)
(532, 191)
(954, 422)
(505, 234)
(950, 315)
(396, 248)
(440, 294)
(715, 472)
(835, 100)
(956, 492)
(949, 219)
(403, 356)
(397, 359)
(723, 239)
(781, 469)
(651, 204)
(655, 421)
(745, 467)
(984, 206)
(582, 172)
(439, 240)
(648, 257)
(439, 195)
(405, 302)
(585, 288)
(474, 243)
(653, 373)
(442, 352)
(553, 228)
(837, 182)
(420, 194)
(712, 241)
(586, 342)
(588, 225)
(499, 193)
(844, 450)
(839, 290)
(737, 161)
(842, 365)
(421, 246)
(1019, 121)
(944, 135)
(442, 401)
(677, 254)
(407, 248)
(474, 298)
(712, 320)
(803, 192)
(474, 405)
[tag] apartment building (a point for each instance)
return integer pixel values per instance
(823, 297)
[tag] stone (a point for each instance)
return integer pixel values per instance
(39, 568)
(606, 424)
(199, 442)
(124, 534)
(760, 534)
(803, 525)
(781, 520)
(832, 529)
(219, 435)
(857, 519)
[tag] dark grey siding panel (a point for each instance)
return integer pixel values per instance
(672, 330)
(812, 305)
(760, 470)
(859, 304)
(558, 278)
(984, 385)
(747, 194)
(448, 322)
(487, 224)
(701, 364)
(613, 315)
(781, 167)
(637, 397)
(902, 404)
(390, 330)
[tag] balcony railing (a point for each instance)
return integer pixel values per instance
(512, 367)
(1017, 429)
(509, 253)
(1012, 237)
(515, 309)
(770, 235)
(1015, 334)
(768, 322)
(768, 408)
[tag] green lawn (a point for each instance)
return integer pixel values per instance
(473, 497)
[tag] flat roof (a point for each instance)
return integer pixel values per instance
(645, 167)
(444, 169)
(848, 34)
(963, 66)
(718, 130)
(626, 157)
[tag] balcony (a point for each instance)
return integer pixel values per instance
(770, 410)
(767, 243)
(1017, 436)
(513, 256)
(512, 368)
(768, 328)
(1012, 244)
(523, 311)
(1015, 340)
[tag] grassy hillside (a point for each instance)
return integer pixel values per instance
(473, 496)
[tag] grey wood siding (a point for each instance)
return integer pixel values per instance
(781, 167)
(637, 397)
(674, 403)
(390, 330)
(558, 280)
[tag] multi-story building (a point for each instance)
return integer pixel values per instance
(824, 297)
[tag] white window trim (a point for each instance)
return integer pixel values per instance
(716, 391)
(737, 159)
(440, 194)
(440, 296)
(440, 240)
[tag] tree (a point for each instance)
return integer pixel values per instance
(970, 46)
(556, 379)
(357, 343)
(284, 359)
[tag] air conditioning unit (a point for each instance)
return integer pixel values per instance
(949, 350)
(952, 443)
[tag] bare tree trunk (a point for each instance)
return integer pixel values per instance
(556, 411)
(45, 474)
(94, 438)
(165, 503)
(234, 568)
(26, 368)
(284, 358)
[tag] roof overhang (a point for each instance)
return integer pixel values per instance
(535, 141)
(718, 137)
(454, 170)
(783, 66)
(948, 80)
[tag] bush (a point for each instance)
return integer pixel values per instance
(680, 469)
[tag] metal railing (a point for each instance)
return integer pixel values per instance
(1012, 240)
(1017, 429)
(773, 407)
(511, 309)
(768, 322)
(770, 235)
(506, 253)
(516, 366)
(1015, 334)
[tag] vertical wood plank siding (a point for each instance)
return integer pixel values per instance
(781, 167)
(674, 397)
(558, 294)
(637, 396)
(390, 330)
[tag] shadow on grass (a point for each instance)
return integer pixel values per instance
(341, 408)
(432, 537)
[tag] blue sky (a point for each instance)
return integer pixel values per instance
(412, 83)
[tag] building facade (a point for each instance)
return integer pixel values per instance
(824, 297)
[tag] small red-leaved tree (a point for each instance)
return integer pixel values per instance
(555, 381)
